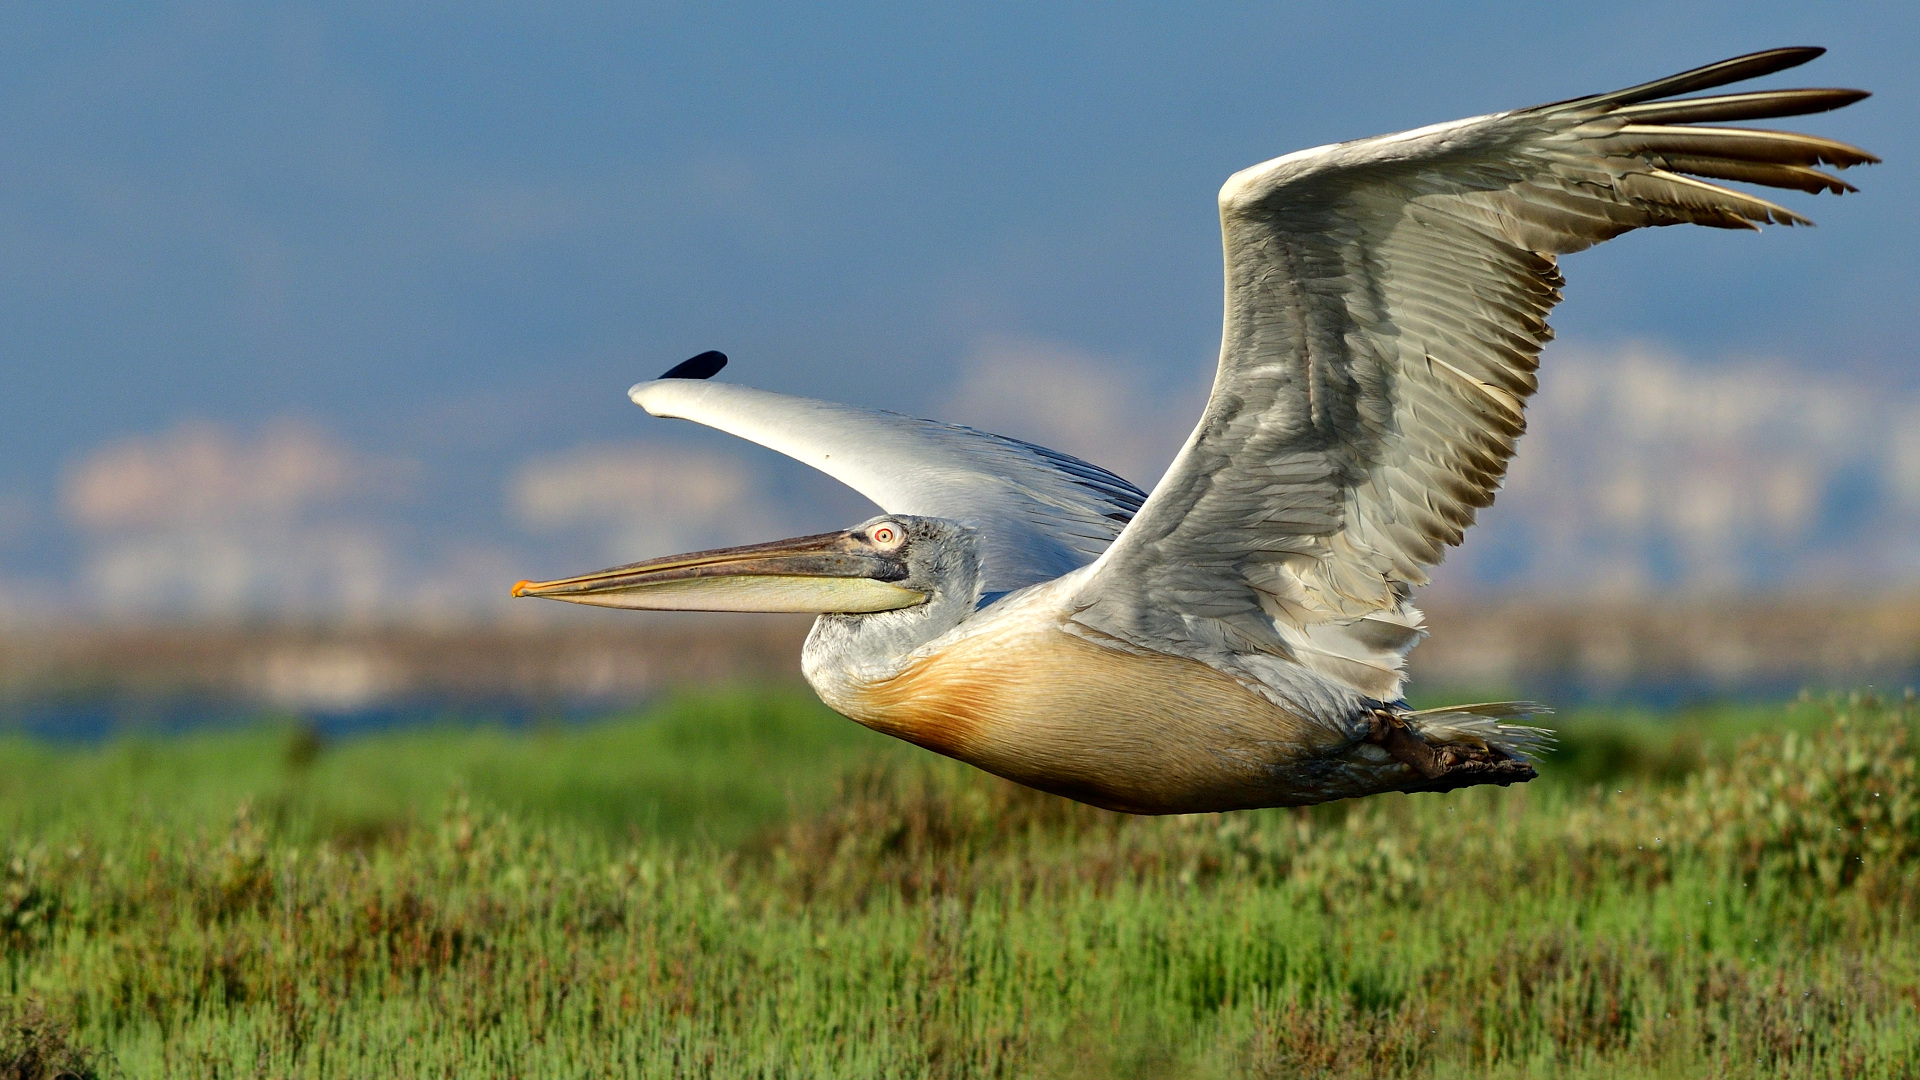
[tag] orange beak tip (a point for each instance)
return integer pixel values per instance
(520, 587)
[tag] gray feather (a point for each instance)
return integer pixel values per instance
(1386, 306)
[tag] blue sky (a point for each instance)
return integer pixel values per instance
(451, 235)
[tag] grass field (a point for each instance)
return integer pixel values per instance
(740, 885)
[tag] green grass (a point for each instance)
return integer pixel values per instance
(744, 885)
(712, 767)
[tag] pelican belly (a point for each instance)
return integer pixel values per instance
(1143, 733)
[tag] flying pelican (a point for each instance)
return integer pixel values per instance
(1237, 638)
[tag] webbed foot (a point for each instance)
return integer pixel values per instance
(1445, 766)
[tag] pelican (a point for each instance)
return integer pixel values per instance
(1238, 638)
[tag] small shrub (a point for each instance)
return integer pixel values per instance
(1822, 809)
(26, 906)
(35, 1046)
(1828, 806)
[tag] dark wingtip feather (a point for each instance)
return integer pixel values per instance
(1757, 105)
(704, 366)
(1735, 69)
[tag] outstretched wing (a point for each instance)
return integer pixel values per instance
(1386, 306)
(1039, 513)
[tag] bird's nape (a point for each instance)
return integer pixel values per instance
(844, 572)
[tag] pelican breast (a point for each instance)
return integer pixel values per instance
(1139, 732)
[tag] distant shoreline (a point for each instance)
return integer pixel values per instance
(86, 680)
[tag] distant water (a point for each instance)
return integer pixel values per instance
(1683, 693)
(88, 720)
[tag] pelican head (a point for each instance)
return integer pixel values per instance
(889, 563)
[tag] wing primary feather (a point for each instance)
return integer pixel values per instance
(1738, 69)
(1812, 181)
(1743, 144)
(1699, 197)
(1758, 105)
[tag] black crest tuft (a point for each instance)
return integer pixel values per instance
(704, 366)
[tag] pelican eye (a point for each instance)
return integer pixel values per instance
(885, 535)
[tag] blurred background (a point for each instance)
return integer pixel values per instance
(320, 317)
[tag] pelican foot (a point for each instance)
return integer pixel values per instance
(1448, 765)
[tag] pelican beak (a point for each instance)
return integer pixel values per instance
(830, 572)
